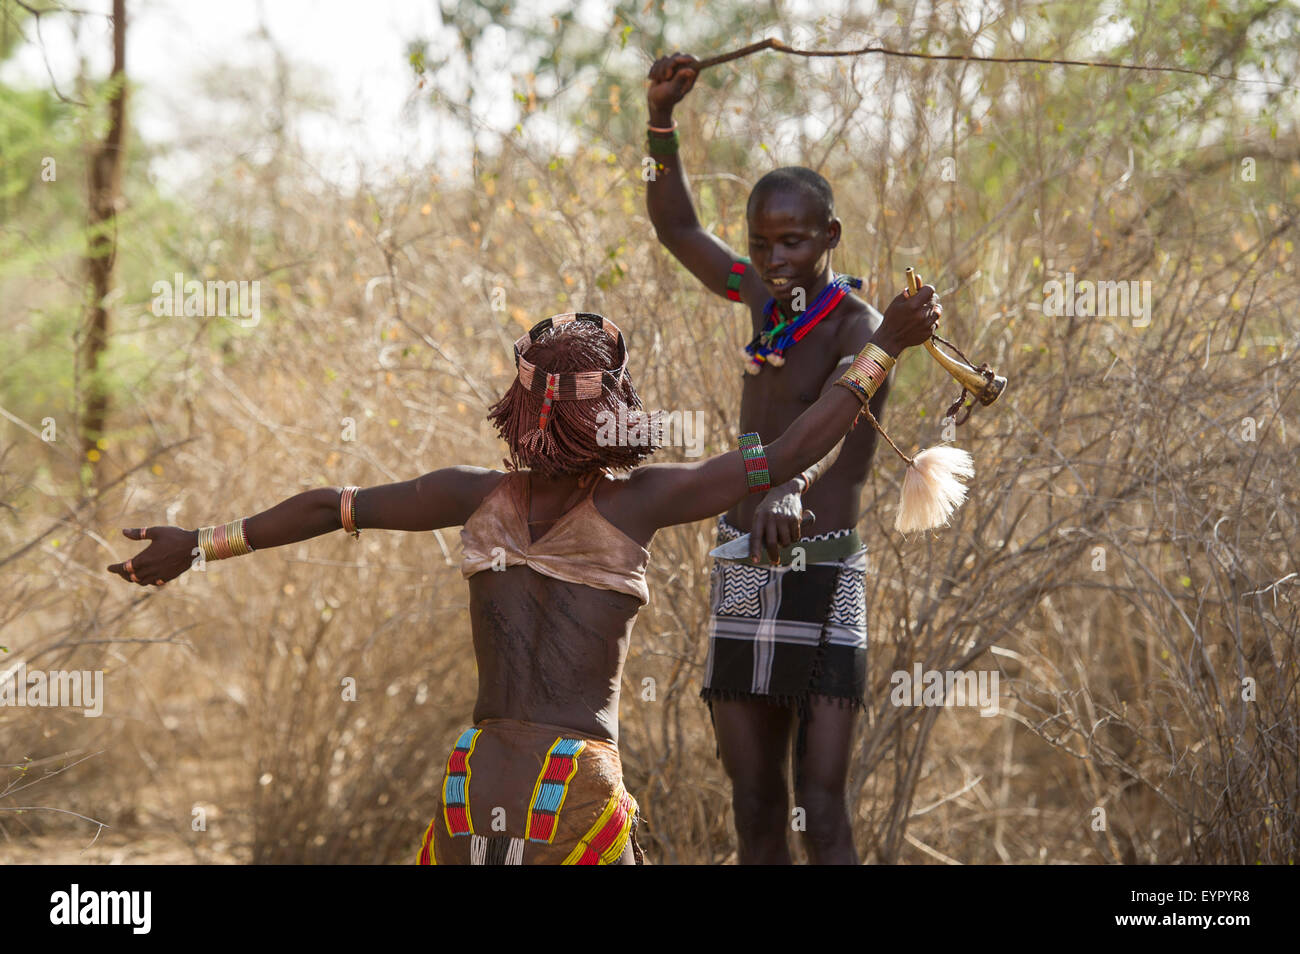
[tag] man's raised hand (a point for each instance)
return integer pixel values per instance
(671, 78)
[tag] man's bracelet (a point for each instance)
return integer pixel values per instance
(734, 278)
(660, 145)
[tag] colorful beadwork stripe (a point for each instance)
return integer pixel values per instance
(426, 846)
(552, 788)
(552, 383)
(735, 278)
(455, 787)
(780, 333)
(606, 840)
(755, 457)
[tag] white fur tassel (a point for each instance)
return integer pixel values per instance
(932, 488)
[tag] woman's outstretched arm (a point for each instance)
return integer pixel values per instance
(662, 495)
(441, 498)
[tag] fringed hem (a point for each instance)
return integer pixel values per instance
(710, 695)
(798, 703)
(638, 854)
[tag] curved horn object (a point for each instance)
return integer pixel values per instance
(986, 385)
(986, 389)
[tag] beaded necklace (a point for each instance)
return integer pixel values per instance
(780, 333)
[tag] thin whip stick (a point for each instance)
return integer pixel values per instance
(780, 47)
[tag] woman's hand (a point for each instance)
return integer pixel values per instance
(910, 319)
(671, 78)
(778, 522)
(169, 554)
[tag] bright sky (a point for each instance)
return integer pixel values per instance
(353, 53)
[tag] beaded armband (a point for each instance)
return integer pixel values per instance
(735, 278)
(756, 472)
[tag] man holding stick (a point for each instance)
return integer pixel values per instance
(787, 644)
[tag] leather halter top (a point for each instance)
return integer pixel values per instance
(580, 547)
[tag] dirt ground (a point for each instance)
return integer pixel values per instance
(110, 848)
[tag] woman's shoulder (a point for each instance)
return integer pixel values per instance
(472, 486)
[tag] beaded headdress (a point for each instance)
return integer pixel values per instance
(570, 385)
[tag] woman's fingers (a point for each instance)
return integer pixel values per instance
(756, 536)
(788, 532)
(130, 570)
(772, 539)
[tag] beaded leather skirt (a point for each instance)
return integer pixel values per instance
(523, 793)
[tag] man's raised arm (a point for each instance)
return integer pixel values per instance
(668, 199)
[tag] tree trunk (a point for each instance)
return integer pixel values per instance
(104, 189)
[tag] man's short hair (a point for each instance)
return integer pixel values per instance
(800, 179)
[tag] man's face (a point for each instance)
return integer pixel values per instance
(789, 243)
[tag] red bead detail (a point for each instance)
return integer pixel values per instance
(542, 826)
(558, 768)
(552, 381)
(830, 306)
(605, 838)
(459, 823)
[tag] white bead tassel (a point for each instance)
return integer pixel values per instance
(933, 488)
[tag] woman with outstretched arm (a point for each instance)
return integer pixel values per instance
(555, 555)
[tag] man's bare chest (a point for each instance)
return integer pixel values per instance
(798, 381)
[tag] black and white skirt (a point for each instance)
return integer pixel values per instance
(783, 634)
